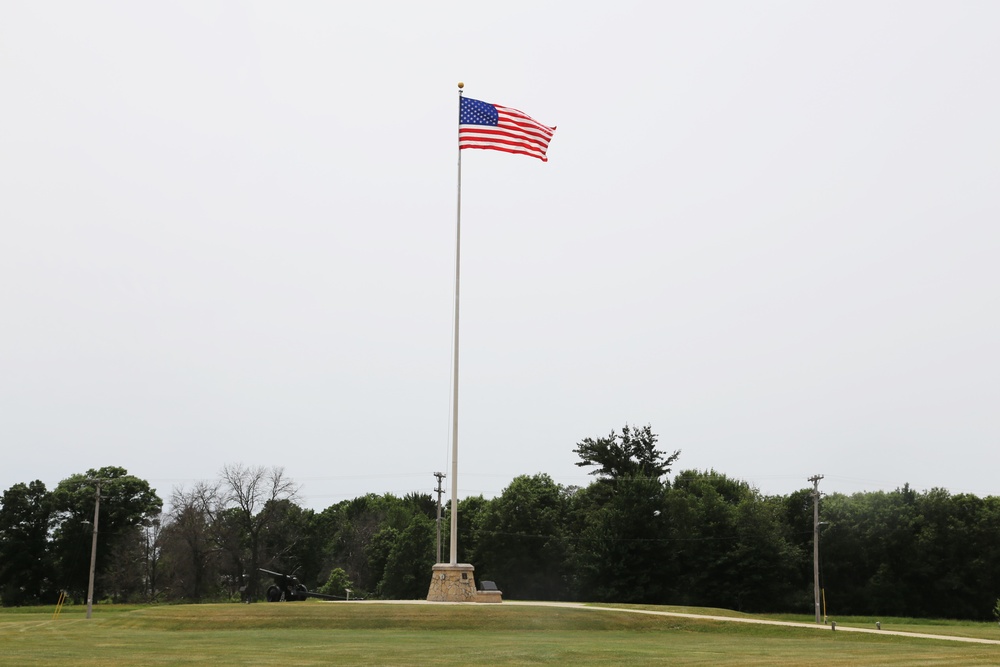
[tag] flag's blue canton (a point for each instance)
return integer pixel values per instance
(474, 112)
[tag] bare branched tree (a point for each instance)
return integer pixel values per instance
(253, 496)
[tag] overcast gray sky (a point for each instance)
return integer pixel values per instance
(768, 229)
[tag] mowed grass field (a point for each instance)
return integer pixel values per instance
(373, 633)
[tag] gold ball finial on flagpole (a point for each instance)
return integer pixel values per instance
(461, 85)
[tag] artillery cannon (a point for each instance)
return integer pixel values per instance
(286, 587)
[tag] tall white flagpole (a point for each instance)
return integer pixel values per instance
(454, 382)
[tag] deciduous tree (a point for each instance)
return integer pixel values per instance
(522, 542)
(631, 454)
(25, 566)
(127, 503)
(254, 496)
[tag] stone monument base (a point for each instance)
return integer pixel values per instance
(456, 583)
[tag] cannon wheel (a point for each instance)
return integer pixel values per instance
(273, 594)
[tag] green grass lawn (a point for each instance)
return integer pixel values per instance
(371, 633)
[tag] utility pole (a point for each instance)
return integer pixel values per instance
(93, 548)
(815, 494)
(440, 476)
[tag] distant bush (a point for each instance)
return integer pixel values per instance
(337, 583)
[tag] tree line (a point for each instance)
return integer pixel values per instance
(635, 534)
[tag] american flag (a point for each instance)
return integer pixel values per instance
(497, 128)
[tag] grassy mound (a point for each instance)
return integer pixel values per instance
(371, 633)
